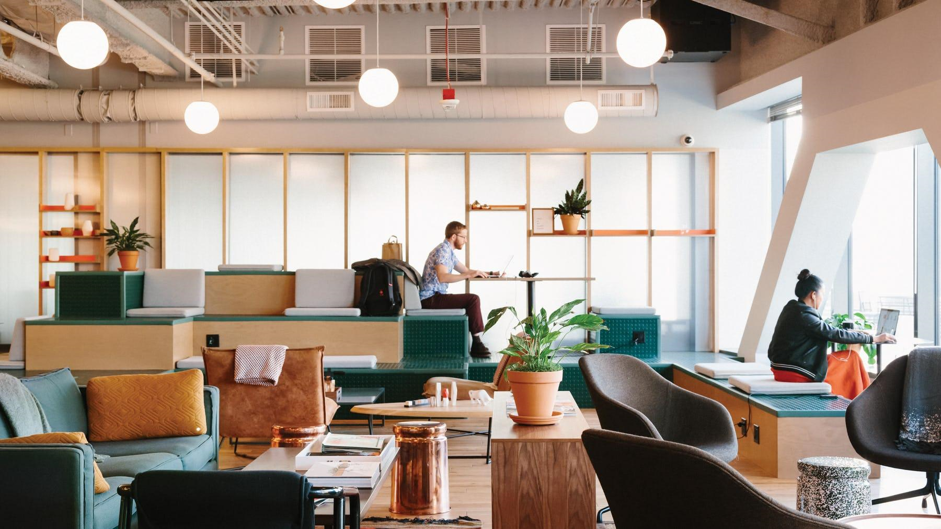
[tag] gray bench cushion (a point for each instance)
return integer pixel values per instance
(349, 362)
(435, 312)
(193, 362)
(174, 288)
(412, 299)
(624, 310)
(298, 311)
(166, 312)
(324, 289)
(258, 267)
(767, 385)
(731, 369)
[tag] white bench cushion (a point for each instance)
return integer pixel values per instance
(174, 288)
(12, 364)
(350, 362)
(300, 311)
(324, 289)
(166, 312)
(435, 312)
(731, 369)
(623, 310)
(193, 362)
(261, 267)
(767, 385)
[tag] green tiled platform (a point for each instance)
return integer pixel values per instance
(620, 335)
(436, 337)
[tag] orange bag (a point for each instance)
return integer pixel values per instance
(846, 373)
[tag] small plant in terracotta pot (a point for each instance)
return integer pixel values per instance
(535, 377)
(573, 208)
(127, 241)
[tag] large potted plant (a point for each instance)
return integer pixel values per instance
(573, 208)
(535, 377)
(127, 241)
(856, 320)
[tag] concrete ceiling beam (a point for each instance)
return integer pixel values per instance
(769, 17)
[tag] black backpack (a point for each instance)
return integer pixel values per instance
(379, 291)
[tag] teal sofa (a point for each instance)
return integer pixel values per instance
(52, 485)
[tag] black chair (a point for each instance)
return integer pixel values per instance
(873, 420)
(220, 499)
(643, 477)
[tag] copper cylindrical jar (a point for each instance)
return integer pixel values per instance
(295, 435)
(420, 474)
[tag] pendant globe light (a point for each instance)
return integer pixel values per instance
(334, 4)
(201, 117)
(641, 42)
(378, 86)
(82, 44)
(581, 116)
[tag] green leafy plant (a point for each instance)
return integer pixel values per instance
(859, 321)
(127, 238)
(536, 349)
(576, 202)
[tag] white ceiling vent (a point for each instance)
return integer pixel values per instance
(334, 40)
(330, 101)
(621, 99)
(201, 39)
(573, 38)
(461, 39)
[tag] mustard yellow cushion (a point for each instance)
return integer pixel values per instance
(126, 407)
(62, 438)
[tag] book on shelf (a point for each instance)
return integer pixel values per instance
(314, 452)
(565, 405)
(337, 473)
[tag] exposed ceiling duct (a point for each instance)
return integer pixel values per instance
(167, 104)
(24, 63)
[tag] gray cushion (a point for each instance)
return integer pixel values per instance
(324, 289)
(195, 451)
(135, 464)
(174, 288)
(166, 312)
(435, 312)
(623, 310)
(193, 362)
(108, 503)
(767, 385)
(731, 369)
(321, 312)
(61, 400)
(349, 362)
(18, 343)
(412, 299)
(260, 267)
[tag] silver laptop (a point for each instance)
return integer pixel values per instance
(888, 321)
(500, 274)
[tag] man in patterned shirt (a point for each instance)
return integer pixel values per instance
(439, 271)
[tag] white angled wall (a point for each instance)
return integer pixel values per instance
(19, 240)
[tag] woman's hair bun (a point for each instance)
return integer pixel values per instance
(805, 273)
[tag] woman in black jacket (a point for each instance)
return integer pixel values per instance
(798, 350)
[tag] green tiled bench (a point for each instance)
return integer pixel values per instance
(620, 335)
(436, 337)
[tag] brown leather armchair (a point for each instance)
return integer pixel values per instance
(251, 411)
(464, 386)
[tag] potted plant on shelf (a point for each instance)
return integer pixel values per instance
(573, 208)
(535, 377)
(856, 320)
(127, 241)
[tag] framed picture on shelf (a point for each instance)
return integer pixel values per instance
(543, 221)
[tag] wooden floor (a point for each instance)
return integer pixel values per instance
(470, 478)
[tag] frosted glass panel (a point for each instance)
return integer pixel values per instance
(619, 265)
(551, 176)
(495, 294)
(19, 240)
(681, 191)
(681, 291)
(194, 211)
(436, 197)
(618, 191)
(559, 257)
(256, 209)
(315, 211)
(495, 237)
(498, 179)
(134, 191)
(377, 203)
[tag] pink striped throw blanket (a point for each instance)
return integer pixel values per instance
(259, 365)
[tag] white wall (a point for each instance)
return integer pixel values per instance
(19, 240)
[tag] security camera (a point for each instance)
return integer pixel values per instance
(449, 104)
(687, 141)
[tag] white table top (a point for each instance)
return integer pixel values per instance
(894, 521)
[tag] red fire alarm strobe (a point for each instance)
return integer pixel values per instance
(448, 99)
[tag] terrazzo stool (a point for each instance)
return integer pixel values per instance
(833, 487)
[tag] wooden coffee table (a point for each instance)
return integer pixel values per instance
(462, 409)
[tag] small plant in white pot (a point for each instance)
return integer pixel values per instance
(573, 209)
(127, 241)
(536, 375)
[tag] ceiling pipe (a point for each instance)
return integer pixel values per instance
(6, 28)
(167, 45)
(413, 56)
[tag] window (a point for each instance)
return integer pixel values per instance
(573, 38)
(201, 39)
(786, 130)
(334, 40)
(460, 39)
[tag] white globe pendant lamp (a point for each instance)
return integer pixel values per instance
(82, 44)
(201, 117)
(641, 42)
(581, 117)
(378, 86)
(334, 4)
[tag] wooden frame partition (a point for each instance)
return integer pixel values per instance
(649, 233)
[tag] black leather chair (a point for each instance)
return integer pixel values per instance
(222, 499)
(643, 477)
(873, 420)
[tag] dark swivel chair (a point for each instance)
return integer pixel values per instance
(224, 499)
(873, 420)
(643, 477)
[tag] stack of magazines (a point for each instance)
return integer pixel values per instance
(346, 460)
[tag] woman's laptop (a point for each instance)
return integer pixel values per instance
(888, 321)
(494, 275)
